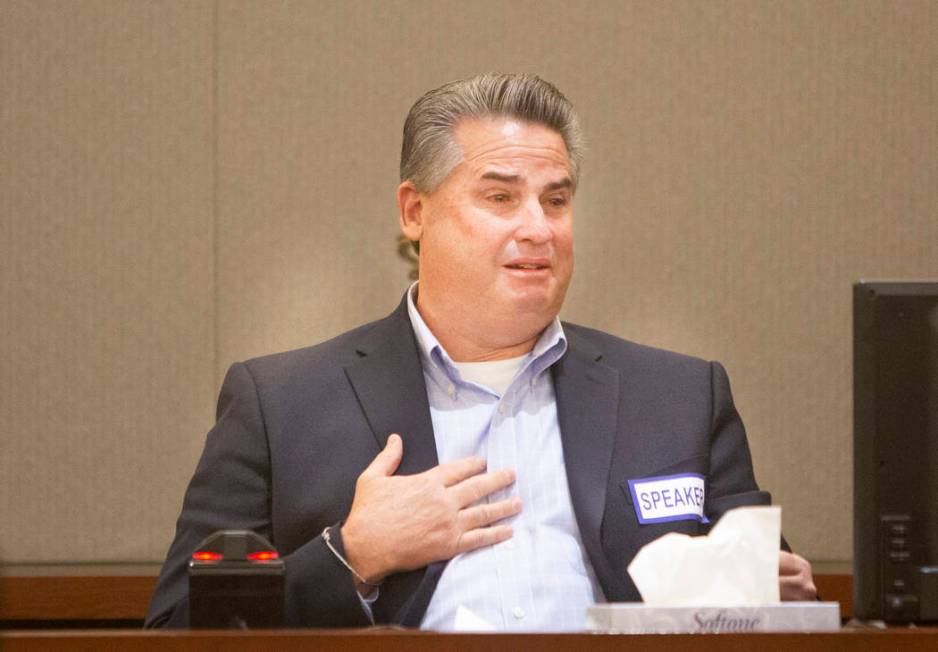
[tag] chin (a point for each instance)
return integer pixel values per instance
(535, 308)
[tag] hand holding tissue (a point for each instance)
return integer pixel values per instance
(727, 581)
(736, 564)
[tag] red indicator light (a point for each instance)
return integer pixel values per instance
(264, 555)
(203, 555)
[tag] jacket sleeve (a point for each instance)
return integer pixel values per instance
(732, 482)
(231, 489)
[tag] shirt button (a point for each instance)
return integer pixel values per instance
(501, 408)
(509, 545)
(450, 389)
(518, 613)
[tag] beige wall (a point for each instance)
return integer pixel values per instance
(106, 255)
(188, 184)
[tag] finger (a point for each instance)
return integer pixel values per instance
(796, 587)
(791, 564)
(486, 514)
(387, 461)
(478, 487)
(796, 581)
(481, 537)
(454, 472)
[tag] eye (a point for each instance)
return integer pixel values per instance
(499, 198)
(557, 202)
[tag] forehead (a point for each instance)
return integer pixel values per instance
(510, 144)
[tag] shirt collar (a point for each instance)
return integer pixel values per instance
(549, 348)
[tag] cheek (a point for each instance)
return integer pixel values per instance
(483, 235)
(459, 223)
(464, 247)
(563, 241)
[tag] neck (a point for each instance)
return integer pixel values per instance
(476, 342)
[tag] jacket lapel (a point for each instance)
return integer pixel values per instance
(388, 381)
(587, 406)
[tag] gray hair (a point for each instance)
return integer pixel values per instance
(429, 152)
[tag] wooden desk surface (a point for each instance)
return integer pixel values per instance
(414, 641)
(126, 598)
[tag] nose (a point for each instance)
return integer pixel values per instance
(533, 225)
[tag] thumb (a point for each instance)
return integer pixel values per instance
(387, 461)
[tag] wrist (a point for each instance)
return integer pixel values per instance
(366, 569)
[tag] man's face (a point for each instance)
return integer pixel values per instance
(496, 237)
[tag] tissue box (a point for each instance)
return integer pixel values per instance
(638, 618)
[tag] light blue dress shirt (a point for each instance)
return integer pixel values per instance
(541, 579)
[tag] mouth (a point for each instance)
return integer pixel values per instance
(526, 266)
(529, 264)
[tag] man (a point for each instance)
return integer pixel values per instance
(469, 454)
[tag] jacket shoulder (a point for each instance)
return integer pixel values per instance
(330, 350)
(329, 358)
(619, 352)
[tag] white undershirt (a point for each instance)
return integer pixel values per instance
(494, 374)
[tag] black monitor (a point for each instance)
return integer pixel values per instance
(895, 439)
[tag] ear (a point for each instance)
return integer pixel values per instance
(410, 201)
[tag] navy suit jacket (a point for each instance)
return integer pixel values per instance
(294, 430)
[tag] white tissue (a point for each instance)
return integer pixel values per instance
(735, 565)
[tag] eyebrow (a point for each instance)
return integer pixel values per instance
(498, 176)
(566, 182)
